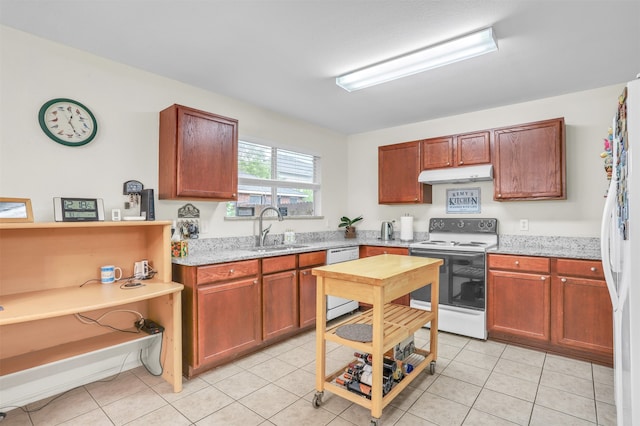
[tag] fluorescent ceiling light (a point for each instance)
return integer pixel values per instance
(448, 52)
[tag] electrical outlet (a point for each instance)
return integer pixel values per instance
(524, 224)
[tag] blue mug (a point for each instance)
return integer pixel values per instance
(108, 274)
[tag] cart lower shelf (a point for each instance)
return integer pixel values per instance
(399, 322)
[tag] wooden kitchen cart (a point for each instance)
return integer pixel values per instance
(376, 280)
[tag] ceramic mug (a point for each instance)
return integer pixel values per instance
(108, 274)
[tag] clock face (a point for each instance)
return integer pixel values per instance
(68, 122)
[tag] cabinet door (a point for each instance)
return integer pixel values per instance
(198, 155)
(307, 298)
(398, 170)
(582, 315)
(279, 304)
(530, 161)
(473, 148)
(518, 305)
(225, 329)
(437, 152)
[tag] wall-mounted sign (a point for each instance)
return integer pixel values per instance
(466, 200)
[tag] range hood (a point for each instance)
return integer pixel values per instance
(457, 174)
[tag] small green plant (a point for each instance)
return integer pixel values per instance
(345, 221)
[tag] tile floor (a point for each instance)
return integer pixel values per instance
(476, 383)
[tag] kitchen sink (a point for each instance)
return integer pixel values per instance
(280, 247)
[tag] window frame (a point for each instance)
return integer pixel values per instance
(275, 184)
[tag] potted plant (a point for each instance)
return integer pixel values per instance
(350, 230)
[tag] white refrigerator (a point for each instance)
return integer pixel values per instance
(620, 244)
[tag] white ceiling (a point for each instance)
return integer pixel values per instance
(284, 55)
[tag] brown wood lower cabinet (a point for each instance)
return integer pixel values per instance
(558, 305)
(221, 312)
(279, 304)
(307, 286)
(582, 312)
(223, 329)
(520, 305)
(232, 309)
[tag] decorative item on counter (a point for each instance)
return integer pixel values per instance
(350, 230)
(179, 248)
(406, 228)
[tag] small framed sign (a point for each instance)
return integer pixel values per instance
(15, 210)
(465, 200)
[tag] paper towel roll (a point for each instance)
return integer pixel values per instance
(406, 228)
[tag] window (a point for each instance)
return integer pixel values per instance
(269, 176)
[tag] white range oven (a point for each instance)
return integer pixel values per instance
(462, 245)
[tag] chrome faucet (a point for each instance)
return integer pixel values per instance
(263, 234)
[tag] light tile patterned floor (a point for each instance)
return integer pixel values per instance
(476, 383)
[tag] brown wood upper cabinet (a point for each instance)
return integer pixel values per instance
(529, 161)
(198, 155)
(457, 150)
(398, 170)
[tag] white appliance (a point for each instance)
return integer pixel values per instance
(620, 244)
(337, 306)
(462, 246)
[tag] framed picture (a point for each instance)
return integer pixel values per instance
(466, 200)
(15, 210)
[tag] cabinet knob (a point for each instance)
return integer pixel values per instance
(231, 271)
(293, 274)
(543, 278)
(564, 280)
(255, 281)
(448, 163)
(594, 269)
(461, 162)
(499, 195)
(517, 262)
(305, 272)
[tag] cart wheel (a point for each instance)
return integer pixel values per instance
(316, 402)
(432, 368)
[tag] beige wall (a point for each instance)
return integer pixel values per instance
(126, 102)
(587, 116)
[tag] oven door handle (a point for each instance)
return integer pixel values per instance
(429, 253)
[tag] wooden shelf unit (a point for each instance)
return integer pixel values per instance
(42, 270)
(376, 280)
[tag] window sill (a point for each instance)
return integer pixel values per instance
(246, 218)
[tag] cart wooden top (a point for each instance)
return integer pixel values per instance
(377, 270)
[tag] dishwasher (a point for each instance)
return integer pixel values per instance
(337, 306)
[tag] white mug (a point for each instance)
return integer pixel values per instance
(108, 274)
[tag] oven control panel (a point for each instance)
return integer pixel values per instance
(458, 225)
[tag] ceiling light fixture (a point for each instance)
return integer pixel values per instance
(447, 52)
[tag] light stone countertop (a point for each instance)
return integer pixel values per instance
(587, 248)
(211, 251)
(221, 250)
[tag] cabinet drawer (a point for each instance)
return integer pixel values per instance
(518, 263)
(367, 251)
(226, 271)
(313, 258)
(278, 263)
(580, 268)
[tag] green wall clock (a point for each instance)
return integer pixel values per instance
(67, 122)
